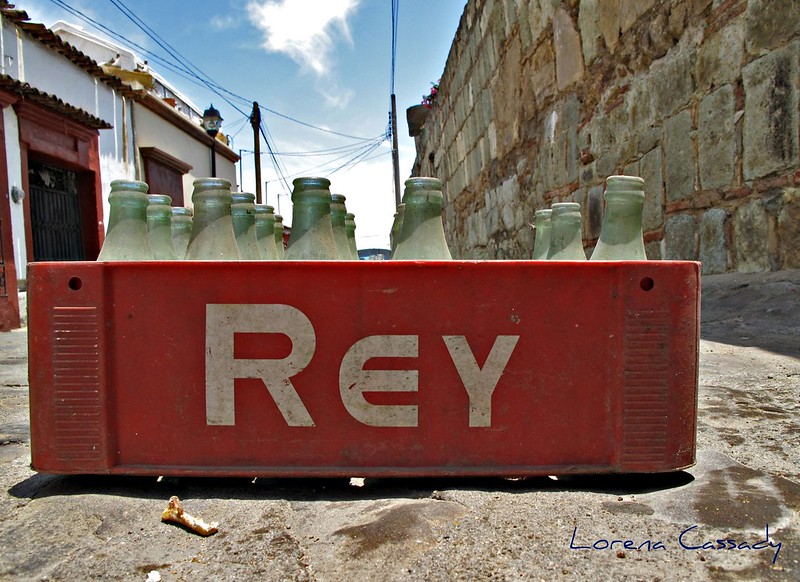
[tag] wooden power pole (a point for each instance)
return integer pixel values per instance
(255, 121)
(395, 155)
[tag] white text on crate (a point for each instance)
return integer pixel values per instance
(224, 321)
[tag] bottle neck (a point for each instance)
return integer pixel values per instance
(566, 242)
(622, 219)
(265, 226)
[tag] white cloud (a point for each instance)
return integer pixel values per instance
(305, 30)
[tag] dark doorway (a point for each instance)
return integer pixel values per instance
(55, 206)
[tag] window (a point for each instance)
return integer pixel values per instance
(164, 173)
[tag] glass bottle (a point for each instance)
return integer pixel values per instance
(265, 232)
(279, 236)
(312, 233)
(422, 237)
(212, 228)
(350, 228)
(338, 213)
(566, 241)
(159, 227)
(397, 226)
(621, 237)
(243, 217)
(181, 229)
(543, 227)
(126, 239)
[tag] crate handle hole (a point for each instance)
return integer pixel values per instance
(75, 283)
(647, 284)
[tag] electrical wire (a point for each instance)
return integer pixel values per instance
(184, 68)
(330, 151)
(351, 160)
(172, 52)
(355, 153)
(281, 171)
(182, 71)
(310, 125)
(241, 123)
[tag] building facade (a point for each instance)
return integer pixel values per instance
(69, 127)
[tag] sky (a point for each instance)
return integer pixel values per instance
(323, 63)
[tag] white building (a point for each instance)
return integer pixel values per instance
(69, 126)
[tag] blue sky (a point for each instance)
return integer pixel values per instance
(325, 63)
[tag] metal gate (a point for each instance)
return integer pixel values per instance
(55, 214)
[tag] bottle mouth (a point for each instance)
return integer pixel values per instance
(243, 198)
(212, 184)
(134, 185)
(310, 183)
(621, 182)
(566, 211)
(423, 183)
(624, 188)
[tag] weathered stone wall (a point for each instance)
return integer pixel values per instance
(541, 100)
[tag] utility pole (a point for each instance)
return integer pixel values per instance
(255, 121)
(395, 155)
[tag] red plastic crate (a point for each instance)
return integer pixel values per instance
(363, 368)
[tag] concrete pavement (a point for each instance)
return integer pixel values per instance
(745, 488)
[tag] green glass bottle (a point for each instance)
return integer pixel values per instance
(159, 227)
(397, 226)
(181, 229)
(279, 236)
(212, 228)
(566, 241)
(543, 225)
(422, 237)
(126, 238)
(312, 233)
(265, 232)
(338, 214)
(243, 217)
(350, 228)
(621, 237)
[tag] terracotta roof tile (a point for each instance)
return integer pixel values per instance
(52, 103)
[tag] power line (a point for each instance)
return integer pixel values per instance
(181, 70)
(275, 162)
(351, 161)
(331, 151)
(184, 68)
(172, 52)
(310, 125)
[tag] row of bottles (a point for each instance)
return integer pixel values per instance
(230, 226)
(225, 225)
(559, 233)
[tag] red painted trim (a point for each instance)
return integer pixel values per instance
(51, 138)
(9, 307)
(7, 99)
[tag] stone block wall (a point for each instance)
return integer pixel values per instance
(541, 100)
